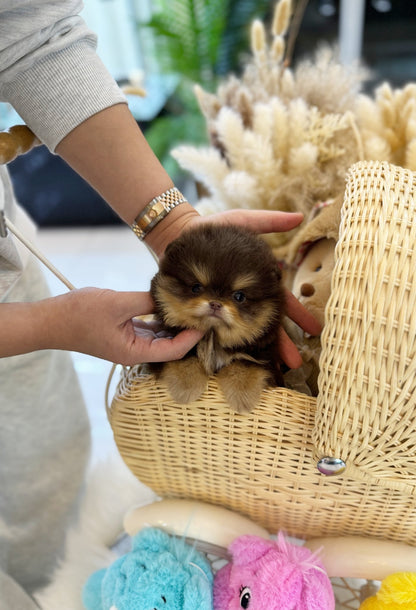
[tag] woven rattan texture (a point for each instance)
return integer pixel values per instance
(366, 412)
(264, 464)
(260, 465)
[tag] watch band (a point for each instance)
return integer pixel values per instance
(155, 211)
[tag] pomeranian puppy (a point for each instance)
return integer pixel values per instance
(224, 281)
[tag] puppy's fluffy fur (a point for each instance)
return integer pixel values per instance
(224, 281)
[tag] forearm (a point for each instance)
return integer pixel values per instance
(80, 320)
(101, 323)
(24, 327)
(111, 153)
(61, 322)
(67, 97)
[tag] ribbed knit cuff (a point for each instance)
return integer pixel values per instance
(61, 91)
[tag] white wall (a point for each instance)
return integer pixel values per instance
(118, 38)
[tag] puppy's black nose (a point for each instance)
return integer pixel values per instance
(215, 306)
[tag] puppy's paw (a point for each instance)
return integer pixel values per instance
(185, 379)
(242, 385)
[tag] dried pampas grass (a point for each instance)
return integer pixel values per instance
(283, 138)
(388, 125)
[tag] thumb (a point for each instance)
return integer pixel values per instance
(128, 305)
(164, 349)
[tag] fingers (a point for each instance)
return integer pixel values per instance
(288, 351)
(164, 349)
(153, 345)
(259, 221)
(142, 303)
(299, 314)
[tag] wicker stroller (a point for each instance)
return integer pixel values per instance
(264, 465)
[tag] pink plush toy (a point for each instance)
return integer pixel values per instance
(273, 575)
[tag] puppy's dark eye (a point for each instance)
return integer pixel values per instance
(318, 268)
(197, 288)
(245, 596)
(239, 296)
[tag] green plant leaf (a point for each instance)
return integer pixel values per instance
(235, 43)
(197, 40)
(189, 34)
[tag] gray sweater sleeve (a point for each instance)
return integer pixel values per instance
(49, 70)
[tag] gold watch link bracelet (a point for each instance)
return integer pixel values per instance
(155, 211)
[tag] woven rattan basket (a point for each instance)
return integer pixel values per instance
(264, 464)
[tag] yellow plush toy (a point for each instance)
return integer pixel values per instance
(397, 592)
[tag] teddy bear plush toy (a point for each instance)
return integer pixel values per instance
(160, 572)
(310, 258)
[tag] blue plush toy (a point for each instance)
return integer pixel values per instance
(161, 572)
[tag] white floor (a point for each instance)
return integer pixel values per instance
(107, 257)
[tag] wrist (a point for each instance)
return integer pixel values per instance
(53, 316)
(170, 228)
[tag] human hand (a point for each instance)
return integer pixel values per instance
(103, 323)
(185, 217)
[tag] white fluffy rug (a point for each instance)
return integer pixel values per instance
(111, 491)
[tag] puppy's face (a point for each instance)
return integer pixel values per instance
(220, 279)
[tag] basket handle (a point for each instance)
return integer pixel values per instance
(107, 390)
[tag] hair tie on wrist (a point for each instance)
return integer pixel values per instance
(155, 211)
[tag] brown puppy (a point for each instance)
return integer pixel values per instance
(224, 281)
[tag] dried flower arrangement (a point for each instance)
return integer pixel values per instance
(284, 139)
(388, 125)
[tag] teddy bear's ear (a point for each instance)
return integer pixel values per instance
(246, 549)
(151, 539)
(91, 593)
